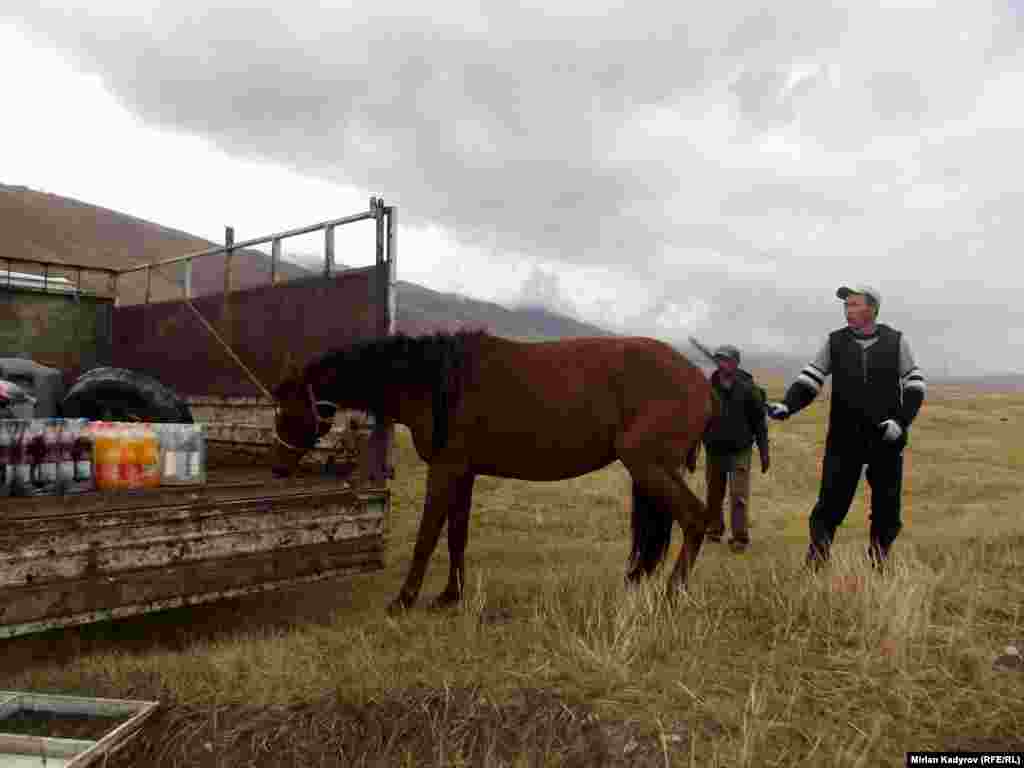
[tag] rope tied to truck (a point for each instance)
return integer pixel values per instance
(314, 403)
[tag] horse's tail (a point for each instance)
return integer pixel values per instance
(713, 416)
(652, 533)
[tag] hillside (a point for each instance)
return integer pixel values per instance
(49, 227)
(422, 310)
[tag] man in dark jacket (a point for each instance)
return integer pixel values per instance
(877, 390)
(729, 443)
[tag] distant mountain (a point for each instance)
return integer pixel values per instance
(48, 227)
(422, 310)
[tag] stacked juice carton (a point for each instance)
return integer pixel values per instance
(57, 456)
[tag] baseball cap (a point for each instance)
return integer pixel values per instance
(861, 289)
(729, 351)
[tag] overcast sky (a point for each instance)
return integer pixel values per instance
(646, 167)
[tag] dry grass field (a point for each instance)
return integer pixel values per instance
(552, 662)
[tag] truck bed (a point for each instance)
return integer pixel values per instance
(100, 555)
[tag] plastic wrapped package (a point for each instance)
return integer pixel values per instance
(182, 453)
(29, 453)
(76, 474)
(10, 453)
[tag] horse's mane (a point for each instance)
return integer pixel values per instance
(436, 361)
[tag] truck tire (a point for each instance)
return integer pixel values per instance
(118, 394)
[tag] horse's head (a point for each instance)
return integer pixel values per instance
(299, 421)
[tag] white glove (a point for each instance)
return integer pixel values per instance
(778, 411)
(892, 430)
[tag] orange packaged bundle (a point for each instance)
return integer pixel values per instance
(130, 465)
(106, 455)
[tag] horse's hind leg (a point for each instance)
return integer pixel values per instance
(458, 533)
(667, 485)
(696, 516)
(442, 487)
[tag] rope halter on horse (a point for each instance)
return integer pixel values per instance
(314, 405)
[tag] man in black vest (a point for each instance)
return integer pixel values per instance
(877, 390)
(729, 444)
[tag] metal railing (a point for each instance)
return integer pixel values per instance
(386, 250)
(386, 243)
(46, 281)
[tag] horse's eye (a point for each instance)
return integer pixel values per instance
(326, 410)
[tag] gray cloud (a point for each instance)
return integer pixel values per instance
(731, 165)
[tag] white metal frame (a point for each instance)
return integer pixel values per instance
(17, 750)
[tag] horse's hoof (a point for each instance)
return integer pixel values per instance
(399, 606)
(444, 601)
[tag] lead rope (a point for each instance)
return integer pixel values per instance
(244, 367)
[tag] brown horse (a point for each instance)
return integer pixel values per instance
(482, 405)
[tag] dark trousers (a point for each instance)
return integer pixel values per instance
(840, 476)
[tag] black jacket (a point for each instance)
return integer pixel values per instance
(742, 419)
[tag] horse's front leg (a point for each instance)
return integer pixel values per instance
(442, 488)
(458, 533)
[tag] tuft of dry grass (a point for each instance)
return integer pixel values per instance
(553, 661)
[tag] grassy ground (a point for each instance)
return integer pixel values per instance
(552, 662)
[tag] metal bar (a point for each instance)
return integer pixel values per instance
(328, 251)
(255, 241)
(149, 283)
(229, 257)
(226, 319)
(188, 278)
(64, 264)
(379, 449)
(275, 260)
(392, 212)
(382, 271)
